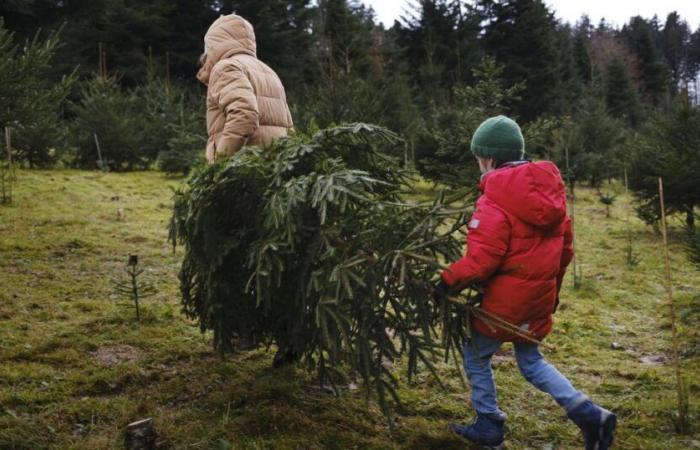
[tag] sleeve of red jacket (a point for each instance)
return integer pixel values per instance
(568, 253)
(488, 238)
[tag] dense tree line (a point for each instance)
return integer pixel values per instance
(598, 94)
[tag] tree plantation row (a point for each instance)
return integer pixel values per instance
(81, 93)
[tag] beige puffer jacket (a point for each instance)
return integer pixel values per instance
(246, 102)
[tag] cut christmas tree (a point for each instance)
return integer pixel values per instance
(315, 245)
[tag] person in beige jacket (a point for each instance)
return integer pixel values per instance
(246, 101)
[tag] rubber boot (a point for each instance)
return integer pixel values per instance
(284, 357)
(597, 425)
(485, 430)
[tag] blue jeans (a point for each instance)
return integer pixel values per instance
(537, 371)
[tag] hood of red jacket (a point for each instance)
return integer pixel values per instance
(532, 192)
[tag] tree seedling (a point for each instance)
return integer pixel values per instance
(607, 199)
(132, 287)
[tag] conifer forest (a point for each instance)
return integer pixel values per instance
(168, 281)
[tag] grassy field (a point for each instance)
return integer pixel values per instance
(75, 368)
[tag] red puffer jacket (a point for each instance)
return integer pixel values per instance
(519, 244)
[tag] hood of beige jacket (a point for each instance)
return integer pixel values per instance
(227, 36)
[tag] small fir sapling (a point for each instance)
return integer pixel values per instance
(132, 287)
(608, 199)
(631, 257)
(577, 271)
(6, 182)
(692, 245)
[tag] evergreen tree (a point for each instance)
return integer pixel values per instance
(572, 82)
(581, 52)
(133, 32)
(343, 34)
(126, 29)
(162, 105)
(361, 73)
(443, 145)
(694, 61)
(693, 247)
(114, 116)
(186, 144)
(282, 30)
(343, 61)
(400, 111)
(31, 102)
(694, 53)
(668, 148)
(594, 142)
(638, 35)
(620, 93)
(522, 35)
(187, 22)
(676, 40)
(439, 38)
(25, 17)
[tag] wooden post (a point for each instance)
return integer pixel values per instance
(631, 258)
(11, 167)
(573, 217)
(8, 144)
(8, 175)
(672, 306)
(104, 64)
(99, 153)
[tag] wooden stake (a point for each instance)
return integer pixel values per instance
(99, 153)
(573, 218)
(104, 64)
(672, 306)
(8, 144)
(631, 258)
(7, 174)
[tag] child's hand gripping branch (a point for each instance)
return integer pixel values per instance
(519, 244)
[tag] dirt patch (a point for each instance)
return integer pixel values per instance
(116, 354)
(136, 239)
(654, 360)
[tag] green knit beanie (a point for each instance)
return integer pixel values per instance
(499, 138)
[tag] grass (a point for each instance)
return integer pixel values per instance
(75, 368)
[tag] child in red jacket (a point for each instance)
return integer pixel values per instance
(519, 244)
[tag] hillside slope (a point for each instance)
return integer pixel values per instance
(75, 368)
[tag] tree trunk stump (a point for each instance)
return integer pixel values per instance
(140, 435)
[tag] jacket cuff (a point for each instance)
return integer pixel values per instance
(228, 146)
(448, 277)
